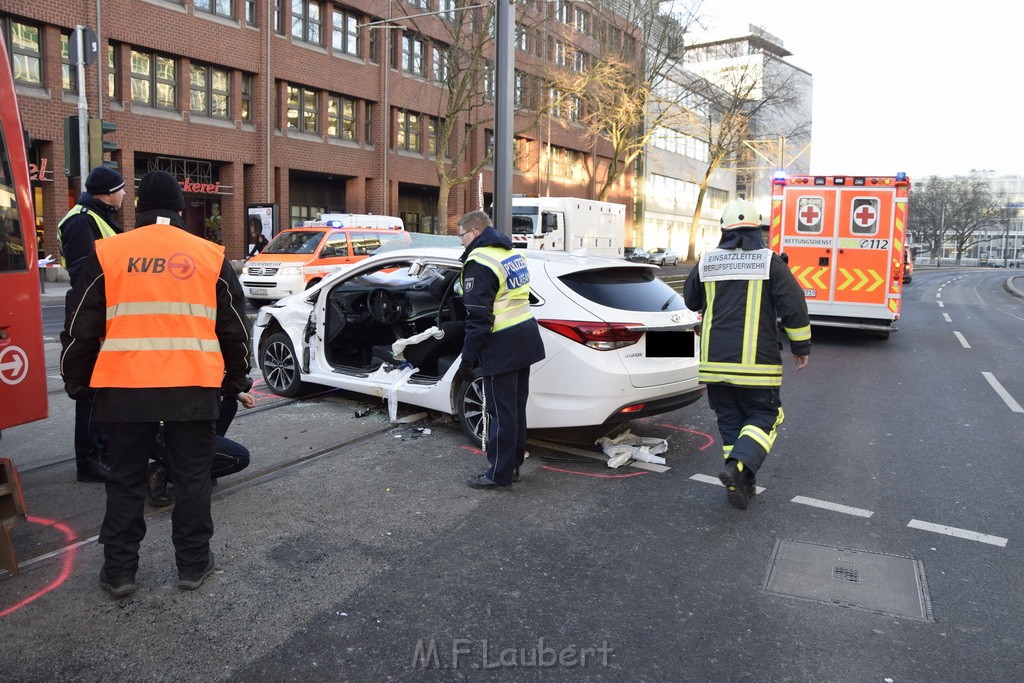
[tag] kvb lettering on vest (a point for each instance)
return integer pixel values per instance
(141, 264)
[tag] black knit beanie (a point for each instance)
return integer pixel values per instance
(103, 180)
(159, 190)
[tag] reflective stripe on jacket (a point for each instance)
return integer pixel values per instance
(101, 223)
(161, 295)
(739, 340)
(512, 303)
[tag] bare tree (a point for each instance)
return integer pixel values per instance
(951, 210)
(647, 81)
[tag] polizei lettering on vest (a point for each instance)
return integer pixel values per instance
(518, 273)
(141, 264)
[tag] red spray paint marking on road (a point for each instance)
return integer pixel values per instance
(67, 561)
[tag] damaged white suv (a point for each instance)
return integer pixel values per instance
(619, 341)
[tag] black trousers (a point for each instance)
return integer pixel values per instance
(90, 437)
(506, 395)
(748, 418)
(189, 456)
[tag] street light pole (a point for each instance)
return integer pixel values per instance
(504, 66)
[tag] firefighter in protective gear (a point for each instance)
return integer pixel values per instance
(502, 341)
(157, 328)
(742, 289)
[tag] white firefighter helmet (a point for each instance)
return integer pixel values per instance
(740, 213)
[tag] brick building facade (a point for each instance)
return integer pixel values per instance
(295, 104)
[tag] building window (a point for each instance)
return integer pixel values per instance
(412, 56)
(250, 12)
(345, 32)
(306, 21)
(279, 15)
(408, 133)
(218, 7)
(374, 51)
(68, 71)
(434, 126)
(368, 123)
(341, 118)
(153, 80)
(303, 110)
(520, 153)
(446, 9)
(422, 4)
(246, 97)
(489, 145)
(524, 41)
(210, 91)
(489, 84)
(581, 21)
(26, 52)
(113, 82)
(440, 65)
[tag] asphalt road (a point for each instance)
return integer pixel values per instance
(352, 550)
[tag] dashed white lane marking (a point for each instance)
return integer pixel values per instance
(941, 305)
(835, 507)
(959, 533)
(946, 317)
(714, 480)
(1003, 393)
(963, 342)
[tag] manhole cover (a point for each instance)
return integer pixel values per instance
(843, 577)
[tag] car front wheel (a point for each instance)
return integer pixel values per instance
(280, 366)
(469, 408)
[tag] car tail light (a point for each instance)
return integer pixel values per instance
(599, 336)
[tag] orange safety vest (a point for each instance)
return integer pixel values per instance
(161, 291)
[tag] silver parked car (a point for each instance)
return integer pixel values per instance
(663, 256)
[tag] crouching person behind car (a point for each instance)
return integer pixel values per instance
(502, 338)
(157, 327)
(229, 456)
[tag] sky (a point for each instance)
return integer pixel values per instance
(929, 87)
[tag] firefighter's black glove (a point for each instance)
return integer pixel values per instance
(466, 371)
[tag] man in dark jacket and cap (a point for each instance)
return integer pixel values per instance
(92, 218)
(157, 328)
(502, 342)
(741, 290)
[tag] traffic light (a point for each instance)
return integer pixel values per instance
(98, 146)
(72, 156)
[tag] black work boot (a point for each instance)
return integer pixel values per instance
(120, 586)
(93, 469)
(738, 488)
(156, 481)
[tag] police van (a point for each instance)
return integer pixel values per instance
(300, 257)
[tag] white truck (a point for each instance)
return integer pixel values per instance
(569, 224)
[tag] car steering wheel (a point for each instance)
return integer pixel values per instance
(384, 306)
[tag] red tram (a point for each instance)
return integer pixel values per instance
(22, 365)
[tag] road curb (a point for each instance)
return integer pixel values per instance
(1011, 288)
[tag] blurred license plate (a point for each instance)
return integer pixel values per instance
(670, 344)
(257, 291)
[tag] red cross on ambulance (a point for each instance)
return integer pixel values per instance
(809, 211)
(865, 213)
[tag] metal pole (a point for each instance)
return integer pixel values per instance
(101, 66)
(83, 110)
(270, 100)
(385, 116)
(504, 66)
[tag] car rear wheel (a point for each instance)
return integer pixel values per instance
(280, 366)
(469, 408)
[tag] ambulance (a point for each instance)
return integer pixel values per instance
(844, 240)
(300, 257)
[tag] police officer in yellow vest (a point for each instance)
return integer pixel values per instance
(502, 342)
(157, 328)
(91, 219)
(742, 289)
